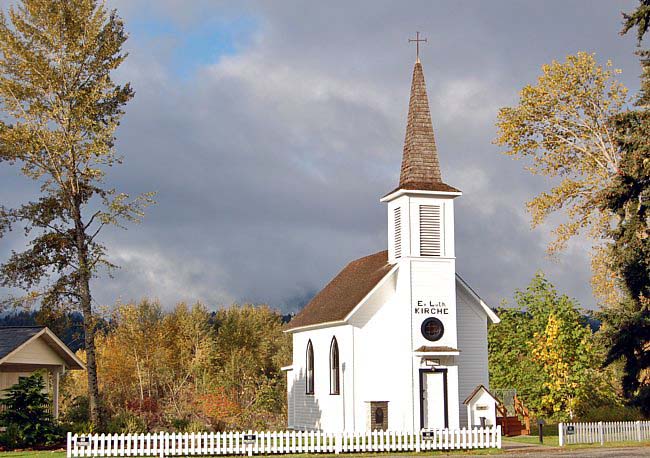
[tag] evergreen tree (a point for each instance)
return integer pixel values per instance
(26, 415)
(627, 326)
(60, 111)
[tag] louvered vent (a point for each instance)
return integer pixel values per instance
(430, 230)
(397, 213)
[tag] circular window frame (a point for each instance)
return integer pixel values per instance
(432, 337)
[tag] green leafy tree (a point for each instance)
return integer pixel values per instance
(60, 111)
(565, 353)
(543, 347)
(627, 326)
(26, 415)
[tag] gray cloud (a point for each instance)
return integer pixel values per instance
(269, 161)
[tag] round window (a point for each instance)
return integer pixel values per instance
(432, 329)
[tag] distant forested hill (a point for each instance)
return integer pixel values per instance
(68, 328)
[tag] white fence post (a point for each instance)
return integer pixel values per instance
(638, 430)
(601, 436)
(499, 436)
(560, 430)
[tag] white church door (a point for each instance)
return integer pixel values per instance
(433, 396)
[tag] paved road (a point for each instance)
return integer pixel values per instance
(519, 450)
(596, 452)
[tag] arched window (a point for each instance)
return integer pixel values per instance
(334, 368)
(309, 386)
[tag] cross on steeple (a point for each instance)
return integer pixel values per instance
(417, 41)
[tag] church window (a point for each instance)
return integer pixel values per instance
(432, 329)
(335, 387)
(397, 219)
(430, 230)
(379, 415)
(309, 385)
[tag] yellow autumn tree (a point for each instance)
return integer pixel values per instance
(562, 126)
(566, 354)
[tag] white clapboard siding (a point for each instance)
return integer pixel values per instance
(276, 442)
(604, 431)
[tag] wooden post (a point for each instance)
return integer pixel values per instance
(638, 430)
(560, 430)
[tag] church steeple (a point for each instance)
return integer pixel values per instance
(421, 208)
(420, 165)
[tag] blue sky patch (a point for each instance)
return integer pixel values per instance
(197, 44)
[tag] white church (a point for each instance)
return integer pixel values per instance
(397, 340)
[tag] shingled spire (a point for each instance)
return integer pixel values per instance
(420, 165)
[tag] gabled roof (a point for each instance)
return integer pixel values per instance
(14, 338)
(342, 294)
(335, 302)
(476, 391)
(420, 164)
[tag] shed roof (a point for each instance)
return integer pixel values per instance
(476, 391)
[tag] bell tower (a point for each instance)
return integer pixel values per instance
(421, 208)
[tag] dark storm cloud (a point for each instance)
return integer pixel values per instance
(270, 149)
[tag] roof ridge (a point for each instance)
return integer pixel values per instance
(369, 256)
(21, 326)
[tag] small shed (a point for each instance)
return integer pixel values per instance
(481, 408)
(26, 349)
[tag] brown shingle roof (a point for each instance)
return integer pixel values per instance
(420, 165)
(438, 187)
(344, 292)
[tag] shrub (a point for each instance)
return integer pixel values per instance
(126, 422)
(612, 413)
(26, 415)
(77, 411)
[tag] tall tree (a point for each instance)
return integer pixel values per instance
(562, 125)
(627, 326)
(60, 111)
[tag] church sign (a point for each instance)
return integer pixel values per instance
(424, 307)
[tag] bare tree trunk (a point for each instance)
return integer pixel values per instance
(90, 325)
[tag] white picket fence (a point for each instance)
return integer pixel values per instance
(604, 431)
(277, 442)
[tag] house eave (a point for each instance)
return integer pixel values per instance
(379, 284)
(415, 192)
(311, 327)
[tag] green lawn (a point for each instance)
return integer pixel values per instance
(548, 441)
(30, 454)
(61, 454)
(552, 441)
